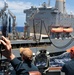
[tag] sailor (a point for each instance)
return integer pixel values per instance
(26, 56)
(68, 68)
(20, 67)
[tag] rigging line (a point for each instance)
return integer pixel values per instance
(60, 47)
(45, 28)
(35, 34)
(40, 31)
(34, 28)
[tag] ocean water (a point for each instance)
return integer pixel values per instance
(20, 29)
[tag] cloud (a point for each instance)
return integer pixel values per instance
(1, 4)
(69, 9)
(18, 7)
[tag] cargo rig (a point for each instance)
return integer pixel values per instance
(55, 21)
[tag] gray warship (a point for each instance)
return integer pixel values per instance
(53, 23)
(46, 27)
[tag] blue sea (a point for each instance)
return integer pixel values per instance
(20, 29)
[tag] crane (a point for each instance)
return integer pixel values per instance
(4, 9)
(14, 24)
(3, 17)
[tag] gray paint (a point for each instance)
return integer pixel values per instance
(50, 17)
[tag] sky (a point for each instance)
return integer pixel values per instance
(18, 6)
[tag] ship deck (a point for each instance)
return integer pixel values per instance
(35, 47)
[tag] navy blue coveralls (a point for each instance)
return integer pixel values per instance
(68, 68)
(22, 68)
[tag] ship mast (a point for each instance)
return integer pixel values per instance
(48, 3)
(60, 5)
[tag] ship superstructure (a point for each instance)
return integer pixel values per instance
(54, 20)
